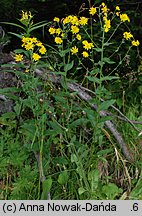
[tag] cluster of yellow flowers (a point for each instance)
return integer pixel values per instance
(107, 23)
(74, 27)
(128, 36)
(26, 16)
(86, 45)
(31, 44)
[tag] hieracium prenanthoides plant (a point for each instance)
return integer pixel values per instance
(84, 49)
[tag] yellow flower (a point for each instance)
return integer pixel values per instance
(117, 8)
(33, 40)
(103, 4)
(66, 20)
(92, 10)
(124, 17)
(58, 31)
(39, 44)
(83, 20)
(107, 25)
(27, 71)
(58, 40)
(74, 50)
(18, 57)
(52, 30)
(104, 8)
(25, 39)
(78, 36)
(42, 50)
(85, 54)
(74, 29)
(87, 45)
(135, 43)
(56, 19)
(62, 35)
(74, 20)
(117, 13)
(127, 35)
(36, 56)
(29, 46)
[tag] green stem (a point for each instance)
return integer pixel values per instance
(120, 61)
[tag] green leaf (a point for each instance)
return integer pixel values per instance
(74, 158)
(93, 79)
(14, 24)
(111, 191)
(81, 190)
(106, 104)
(9, 90)
(19, 50)
(107, 44)
(62, 53)
(107, 60)
(37, 26)
(55, 126)
(104, 152)
(68, 66)
(108, 78)
(78, 122)
(93, 177)
(95, 71)
(98, 49)
(17, 35)
(63, 178)
(46, 186)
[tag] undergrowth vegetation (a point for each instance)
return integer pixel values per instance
(57, 142)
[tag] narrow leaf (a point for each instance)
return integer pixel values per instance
(106, 104)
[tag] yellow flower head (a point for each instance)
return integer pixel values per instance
(117, 13)
(85, 54)
(74, 29)
(135, 43)
(92, 11)
(103, 4)
(117, 8)
(127, 35)
(78, 36)
(74, 50)
(36, 56)
(52, 30)
(66, 20)
(39, 44)
(58, 31)
(83, 20)
(33, 40)
(107, 25)
(87, 45)
(42, 50)
(58, 40)
(25, 39)
(74, 20)
(18, 57)
(29, 46)
(104, 9)
(124, 17)
(56, 19)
